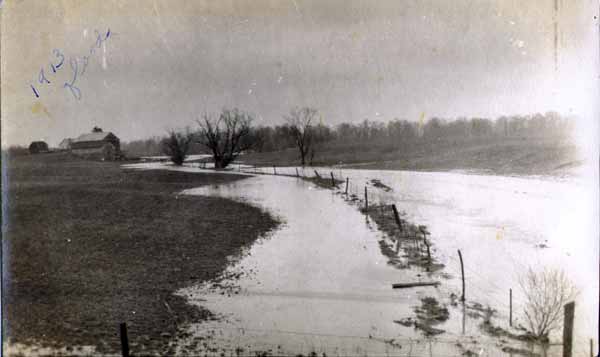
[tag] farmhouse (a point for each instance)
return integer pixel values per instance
(97, 145)
(37, 147)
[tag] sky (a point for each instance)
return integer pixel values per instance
(160, 65)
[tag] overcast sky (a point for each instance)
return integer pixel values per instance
(165, 63)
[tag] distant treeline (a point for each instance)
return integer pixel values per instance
(393, 134)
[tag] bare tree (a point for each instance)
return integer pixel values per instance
(301, 123)
(226, 136)
(546, 292)
(177, 146)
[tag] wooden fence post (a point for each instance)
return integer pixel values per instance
(428, 253)
(274, 170)
(568, 329)
(424, 231)
(124, 340)
(417, 244)
(332, 179)
(347, 179)
(366, 200)
(317, 174)
(297, 174)
(462, 273)
(397, 217)
(510, 307)
(591, 347)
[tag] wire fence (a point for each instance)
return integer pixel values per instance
(364, 192)
(243, 340)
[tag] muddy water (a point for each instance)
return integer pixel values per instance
(503, 226)
(321, 284)
(317, 284)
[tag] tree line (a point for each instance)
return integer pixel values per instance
(231, 132)
(398, 131)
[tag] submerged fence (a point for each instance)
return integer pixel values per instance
(374, 198)
(238, 341)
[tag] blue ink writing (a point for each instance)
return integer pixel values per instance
(99, 40)
(34, 91)
(85, 63)
(74, 90)
(42, 78)
(58, 55)
(57, 64)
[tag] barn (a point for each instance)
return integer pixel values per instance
(37, 147)
(65, 144)
(97, 145)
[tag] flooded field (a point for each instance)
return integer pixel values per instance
(321, 283)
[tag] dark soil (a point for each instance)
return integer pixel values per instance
(377, 183)
(406, 244)
(324, 182)
(430, 313)
(519, 351)
(87, 245)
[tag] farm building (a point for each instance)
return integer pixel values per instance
(97, 145)
(37, 147)
(65, 144)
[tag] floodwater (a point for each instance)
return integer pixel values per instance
(321, 284)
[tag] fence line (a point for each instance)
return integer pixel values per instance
(353, 190)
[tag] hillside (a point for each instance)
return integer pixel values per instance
(515, 156)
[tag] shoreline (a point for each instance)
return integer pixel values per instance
(515, 157)
(463, 171)
(131, 242)
(404, 238)
(429, 307)
(432, 311)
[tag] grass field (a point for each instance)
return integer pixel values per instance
(505, 156)
(88, 245)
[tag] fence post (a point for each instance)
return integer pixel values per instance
(591, 347)
(462, 273)
(428, 253)
(397, 217)
(510, 307)
(366, 200)
(297, 174)
(568, 329)
(347, 179)
(274, 170)
(317, 174)
(124, 340)
(332, 179)
(417, 243)
(424, 232)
